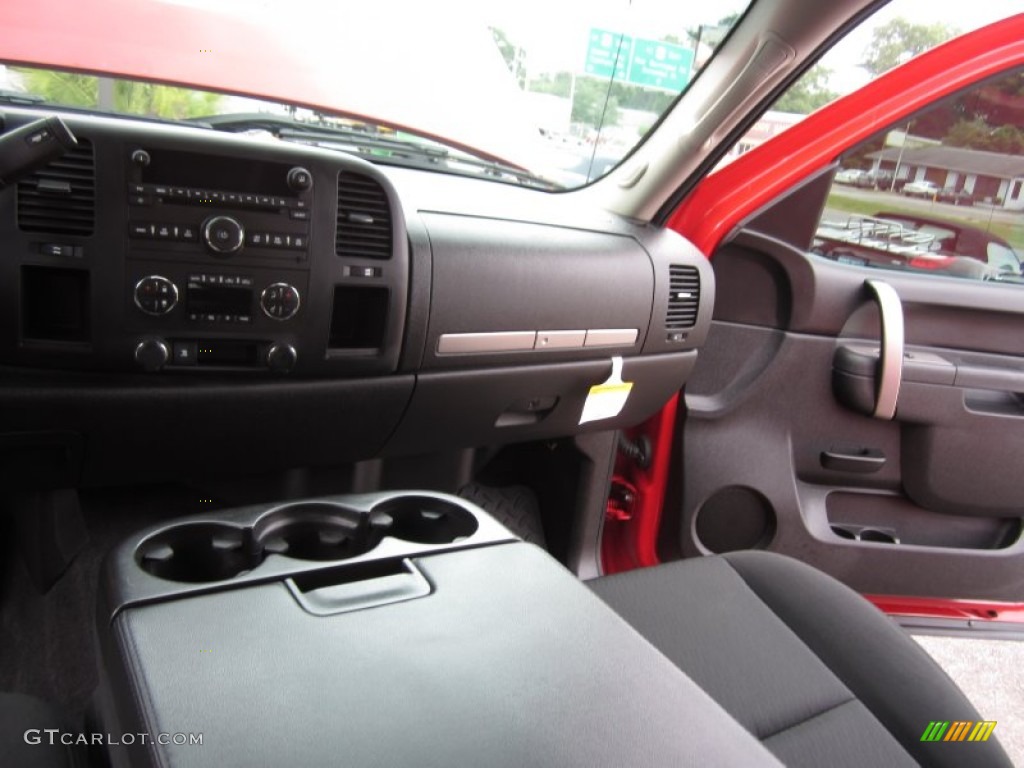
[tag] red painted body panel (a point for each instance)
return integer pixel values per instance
(632, 543)
(973, 610)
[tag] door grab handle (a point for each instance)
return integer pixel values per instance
(890, 360)
(863, 461)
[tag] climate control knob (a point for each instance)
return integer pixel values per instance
(223, 234)
(281, 358)
(280, 301)
(156, 295)
(151, 354)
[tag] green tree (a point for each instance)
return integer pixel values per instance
(895, 42)
(588, 103)
(978, 133)
(808, 93)
(130, 96)
(593, 105)
(513, 55)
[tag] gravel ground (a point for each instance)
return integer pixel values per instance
(991, 673)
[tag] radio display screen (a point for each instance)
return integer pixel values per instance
(190, 169)
(206, 299)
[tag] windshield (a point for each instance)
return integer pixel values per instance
(560, 91)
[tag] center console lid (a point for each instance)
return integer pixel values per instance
(504, 659)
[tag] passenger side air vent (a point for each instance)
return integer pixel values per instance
(60, 197)
(364, 218)
(683, 297)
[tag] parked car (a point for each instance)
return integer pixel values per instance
(954, 196)
(854, 177)
(894, 240)
(925, 189)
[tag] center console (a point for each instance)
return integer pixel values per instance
(391, 629)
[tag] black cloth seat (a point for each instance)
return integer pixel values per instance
(24, 719)
(805, 664)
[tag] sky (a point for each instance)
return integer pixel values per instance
(555, 32)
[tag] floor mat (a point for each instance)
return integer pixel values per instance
(991, 674)
(514, 506)
(48, 640)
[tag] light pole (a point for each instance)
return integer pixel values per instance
(899, 157)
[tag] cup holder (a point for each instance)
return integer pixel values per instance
(199, 552)
(323, 531)
(423, 520)
(316, 531)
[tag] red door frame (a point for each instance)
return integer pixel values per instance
(725, 198)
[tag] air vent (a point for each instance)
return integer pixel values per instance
(60, 198)
(683, 297)
(364, 218)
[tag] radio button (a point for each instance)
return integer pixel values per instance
(280, 301)
(223, 234)
(156, 295)
(140, 230)
(299, 215)
(185, 352)
(188, 233)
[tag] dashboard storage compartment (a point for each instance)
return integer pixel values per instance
(55, 304)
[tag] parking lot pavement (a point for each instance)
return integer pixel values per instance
(991, 673)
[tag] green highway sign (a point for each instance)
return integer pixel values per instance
(660, 65)
(650, 63)
(607, 50)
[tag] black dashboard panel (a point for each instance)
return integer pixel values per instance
(167, 268)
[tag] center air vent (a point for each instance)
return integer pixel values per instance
(60, 197)
(364, 218)
(683, 297)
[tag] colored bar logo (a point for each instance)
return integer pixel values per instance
(958, 730)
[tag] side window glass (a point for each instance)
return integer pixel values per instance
(941, 193)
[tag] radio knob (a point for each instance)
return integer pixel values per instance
(280, 301)
(223, 234)
(281, 358)
(156, 295)
(151, 354)
(299, 179)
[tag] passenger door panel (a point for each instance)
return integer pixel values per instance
(781, 451)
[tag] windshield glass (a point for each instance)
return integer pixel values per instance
(559, 91)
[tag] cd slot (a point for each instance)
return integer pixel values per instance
(217, 353)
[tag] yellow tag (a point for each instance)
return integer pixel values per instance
(607, 399)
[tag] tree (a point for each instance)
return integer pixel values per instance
(512, 54)
(899, 40)
(979, 134)
(130, 96)
(588, 103)
(808, 93)
(593, 105)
